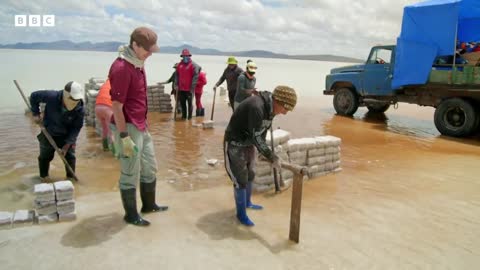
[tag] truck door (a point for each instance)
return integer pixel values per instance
(377, 76)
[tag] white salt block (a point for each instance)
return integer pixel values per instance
(65, 207)
(280, 136)
(207, 124)
(45, 219)
(263, 170)
(64, 196)
(316, 152)
(316, 168)
(301, 144)
(63, 186)
(6, 220)
(67, 217)
(23, 218)
(317, 160)
(334, 141)
(45, 208)
(212, 162)
(332, 150)
(44, 188)
(287, 174)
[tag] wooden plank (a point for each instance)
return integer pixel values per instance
(297, 190)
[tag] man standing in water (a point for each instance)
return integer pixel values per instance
(246, 131)
(231, 73)
(63, 119)
(246, 84)
(187, 78)
(129, 104)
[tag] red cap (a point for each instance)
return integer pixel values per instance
(185, 52)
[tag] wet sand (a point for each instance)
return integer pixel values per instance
(407, 198)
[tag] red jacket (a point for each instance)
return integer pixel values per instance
(202, 80)
(187, 76)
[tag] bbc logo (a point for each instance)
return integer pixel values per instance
(34, 20)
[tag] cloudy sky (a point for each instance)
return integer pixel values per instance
(341, 27)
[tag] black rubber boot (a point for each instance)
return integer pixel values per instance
(105, 144)
(72, 165)
(198, 113)
(147, 193)
(43, 166)
(202, 112)
(129, 201)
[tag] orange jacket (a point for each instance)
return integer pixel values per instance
(103, 96)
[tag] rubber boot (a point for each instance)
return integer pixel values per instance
(198, 113)
(129, 201)
(202, 112)
(105, 144)
(249, 202)
(72, 165)
(190, 111)
(43, 167)
(147, 193)
(241, 203)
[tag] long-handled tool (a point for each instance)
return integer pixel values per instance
(209, 123)
(176, 103)
(275, 173)
(298, 173)
(47, 135)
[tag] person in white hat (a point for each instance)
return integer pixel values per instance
(63, 118)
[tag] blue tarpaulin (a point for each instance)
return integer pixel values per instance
(430, 29)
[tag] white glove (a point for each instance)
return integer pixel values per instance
(129, 147)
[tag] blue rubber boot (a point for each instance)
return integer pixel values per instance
(249, 202)
(241, 203)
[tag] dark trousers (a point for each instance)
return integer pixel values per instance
(240, 163)
(231, 98)
(47, 153)
(186, 101)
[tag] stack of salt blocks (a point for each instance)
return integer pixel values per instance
(321, 156)
(158, 100)
(54, 202)
(44, 203)
(91, 91)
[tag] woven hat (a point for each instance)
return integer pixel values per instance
(286, 96)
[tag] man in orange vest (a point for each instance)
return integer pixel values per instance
(103, 112)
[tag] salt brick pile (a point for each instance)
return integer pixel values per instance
(44, 203)
(158, 100)
(64, 192)
(91, 91)
(6, 220)
(321, 155)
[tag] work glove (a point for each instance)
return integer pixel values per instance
(65, 149)
(129, 147)
(276, 164)
(215, 88)
(37, 119)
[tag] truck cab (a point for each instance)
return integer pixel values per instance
(351, 85)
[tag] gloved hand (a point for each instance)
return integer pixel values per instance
(129, 147)
(65, 149)
(37, 119)
(276, 164)
(215, 88)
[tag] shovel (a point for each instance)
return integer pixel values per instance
(209, 123)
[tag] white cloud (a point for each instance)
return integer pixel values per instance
(341, 27)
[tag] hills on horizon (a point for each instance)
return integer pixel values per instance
(113, 46)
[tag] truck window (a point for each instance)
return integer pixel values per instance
(380, 56)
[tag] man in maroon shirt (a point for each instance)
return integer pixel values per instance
(129, 105)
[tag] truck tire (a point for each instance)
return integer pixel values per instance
(345, 102)
(380, 108)
(456, 117)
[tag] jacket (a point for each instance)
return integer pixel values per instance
(202, 80)
(244, 83)
(58, 121)
(250, 122)
(231, 75)
(187, 76)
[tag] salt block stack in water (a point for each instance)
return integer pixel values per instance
(91, 91)
(264, 173)
(44, 203)
(64, 192)
(324, 158)
(5, 220)
(158, 100)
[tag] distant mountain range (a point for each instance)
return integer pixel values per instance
(113, 46)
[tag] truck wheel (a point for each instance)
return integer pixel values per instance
(345, 102)
(456, 117)
(378, 108)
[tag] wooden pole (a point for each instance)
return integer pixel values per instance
(275, 173)
(47, 135)
(299, 172)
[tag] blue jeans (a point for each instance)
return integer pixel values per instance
(142, 164)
